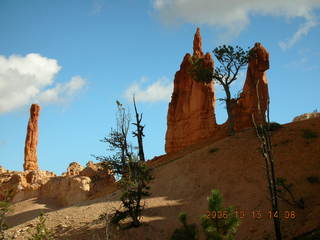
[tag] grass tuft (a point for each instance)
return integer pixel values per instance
(309, 134)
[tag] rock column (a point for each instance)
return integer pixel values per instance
(254, 98)
(191, 115)
(30, 149)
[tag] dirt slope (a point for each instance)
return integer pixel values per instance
(233, 165)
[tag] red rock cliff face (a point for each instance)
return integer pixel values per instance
(30, 149)
(255, 95)
(191, 110)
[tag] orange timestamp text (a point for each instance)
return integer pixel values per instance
(255, 214)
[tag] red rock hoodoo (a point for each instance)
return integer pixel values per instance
(255, 95)
(191, 110)
(30, 149)
(191, 114)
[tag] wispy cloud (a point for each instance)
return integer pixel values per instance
(31, 78)
(305, 60)
(97, 6)
(235, 15)
(303, 30)
(159, 90)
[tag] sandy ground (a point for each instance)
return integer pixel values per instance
(233, 165)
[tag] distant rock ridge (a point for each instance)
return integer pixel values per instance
(30, 149)
(191, 113)
(306, 116)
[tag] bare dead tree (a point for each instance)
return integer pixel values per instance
(264, 136)
(135, 174)
(139, 132)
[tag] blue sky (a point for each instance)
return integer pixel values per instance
(76, 58)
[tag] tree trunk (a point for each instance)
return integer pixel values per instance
(139, 132)
(263, 133)
(229, 110)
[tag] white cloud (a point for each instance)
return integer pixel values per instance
(303, 30)
(30, 78)
(160, 90)
(62, 90)
(234, 15)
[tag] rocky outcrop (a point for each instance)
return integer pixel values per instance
(253, 101)
(74, 169)
(65, 191)
(30, 149)
(76, 185)
(25, 184)
(306, 116)
(2, 169)
(102, 180)
(191, 110)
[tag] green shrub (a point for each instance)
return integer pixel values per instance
(285, 193)
(313, 179)
(41, 232)
(273, 126)
(187, 231)
(309, 134)
(219, 224)
(134, 187)
(4, 209)
(213, 150)
(199, 71)
(217, 227)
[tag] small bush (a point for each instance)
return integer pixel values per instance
(4, 209)
(285, 193)
(187, 231)
(309, 134)
(285, 141)
(134, 187)
(313, 179)
(213, 150)
(199, 71)
(41, 232)
(273, 126)
(216, 227)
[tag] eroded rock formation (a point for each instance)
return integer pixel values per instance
(191, 110)
(191, 114)
(74, 169)
(77, 185)
(25, 184)
(254, 98)
(30, 149)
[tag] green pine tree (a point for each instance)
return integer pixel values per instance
(41, 232)
(220, 223)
